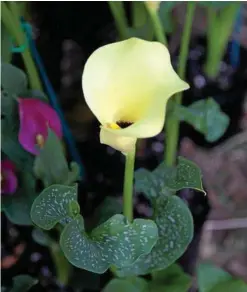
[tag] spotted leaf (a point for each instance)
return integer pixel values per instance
(115, 242)
(175, 225)
(56, 203)
(166, 180)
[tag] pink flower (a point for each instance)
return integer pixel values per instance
(36, 117)
(8, 177)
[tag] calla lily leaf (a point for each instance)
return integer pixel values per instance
(51, 166)
(13, 80)
(130, 285)
(165, 179)
(175, 225)
(17, 206)
(23, 283)
(206, 117)
(115, 242)
(55, 204)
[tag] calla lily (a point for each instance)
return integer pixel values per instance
(127, 85)
(36, 117)
(8, 177)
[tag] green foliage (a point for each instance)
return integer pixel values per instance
(13, 82)
(214, 279)
(127, 285)
(206, 117)
(40, 237)
(115, 242)
(17, 206)
(55, 204)
(109, 207)
(23, 283)
(172, 279)
(165, 14)
(51, 166)
(214, 4)
(165, 179)
(175, 225)
(5, 45)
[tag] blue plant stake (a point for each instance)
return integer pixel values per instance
(52, 96)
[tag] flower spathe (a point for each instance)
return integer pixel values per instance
(129, 83)
(36, 117)
(8, 177)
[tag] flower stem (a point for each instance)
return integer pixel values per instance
(118, 14)
(172, 123)
(218, 33)
(128, 186)
(157, 25)
(10, 17)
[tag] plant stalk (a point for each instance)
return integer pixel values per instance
(117, 10)
(157, 25)
(172, 123)
(10, 17)
(128, 186)
(218, 33)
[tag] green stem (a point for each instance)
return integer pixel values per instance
(172, 123)
(118, 14)
(128, 186)
(218, 33)
(63, 267)
(10, 19)
(157, 25)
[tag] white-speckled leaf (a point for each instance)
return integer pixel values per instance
(175, 225)
(115, 242)
(186, 175)
(56, 203)
(206, 117)
(165, 180)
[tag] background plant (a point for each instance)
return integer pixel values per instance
(171, 226)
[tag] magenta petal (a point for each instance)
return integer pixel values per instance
(29, 129)
(35, 118)
(9, 185)
(7, 164)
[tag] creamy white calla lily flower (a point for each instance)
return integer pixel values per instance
(127, 85)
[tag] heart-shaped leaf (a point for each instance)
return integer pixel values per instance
(23, 283)
(129, 284)
(17, 206)
(206, 117)
(56, 204)
(115, 242)
(51, 166)
(175, 225)
(165, 179)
